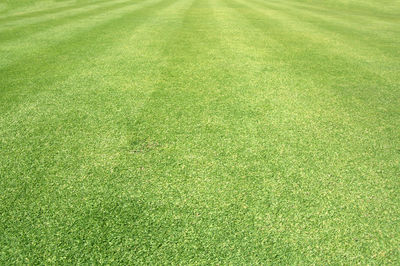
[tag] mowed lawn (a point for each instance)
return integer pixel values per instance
(200, 132)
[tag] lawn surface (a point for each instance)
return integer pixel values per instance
(200, 131)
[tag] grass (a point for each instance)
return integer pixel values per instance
(200, 132)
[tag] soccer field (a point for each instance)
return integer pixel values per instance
(200, 132)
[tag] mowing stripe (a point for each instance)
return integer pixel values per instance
(201, 132)
(23, 25)
(311, 34)
(353, 23)
(333, 29)
(47, 11)
(22, 73)
(39, 42)
(24, 32)
(109, 134)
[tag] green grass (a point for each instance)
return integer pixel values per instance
(200, 132)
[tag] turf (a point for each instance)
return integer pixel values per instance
(200, 132)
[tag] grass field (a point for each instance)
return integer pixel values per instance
(200, 132)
